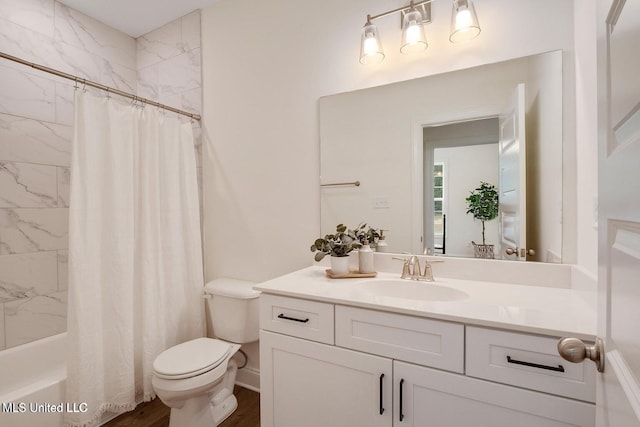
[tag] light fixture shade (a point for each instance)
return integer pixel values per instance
(370, 47)
(413, 38)
(464, 22)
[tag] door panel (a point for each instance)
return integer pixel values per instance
(512, 157)
(625, 292)
(618, 396)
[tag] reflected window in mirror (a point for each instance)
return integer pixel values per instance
(439, 209)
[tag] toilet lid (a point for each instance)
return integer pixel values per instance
(191, 358)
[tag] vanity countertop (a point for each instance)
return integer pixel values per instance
(533, 309)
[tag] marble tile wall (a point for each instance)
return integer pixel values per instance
(36, 115)
(168, 64)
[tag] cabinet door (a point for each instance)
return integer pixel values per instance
(309, 384)
(440, 399)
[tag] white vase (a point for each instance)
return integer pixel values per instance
(365, 260)
(340, 265)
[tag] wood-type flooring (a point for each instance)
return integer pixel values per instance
(156, 414)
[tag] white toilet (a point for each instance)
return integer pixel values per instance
(195, 379)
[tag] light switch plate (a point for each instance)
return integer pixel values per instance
(381, 203)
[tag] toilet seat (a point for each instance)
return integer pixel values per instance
(191, 358)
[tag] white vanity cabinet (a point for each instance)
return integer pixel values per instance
(326, 364)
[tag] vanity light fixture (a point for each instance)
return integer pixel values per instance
(464, 27)
(464, 22)
(413, 38)
(370, 47)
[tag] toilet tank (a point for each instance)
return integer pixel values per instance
(233, 308)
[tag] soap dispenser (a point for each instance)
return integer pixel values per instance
(365, 259)
(382, 244)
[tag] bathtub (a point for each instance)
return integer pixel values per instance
(33, 377)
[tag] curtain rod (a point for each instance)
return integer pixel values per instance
(108, 89)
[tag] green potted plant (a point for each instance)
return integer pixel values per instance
(368, 238)
(338, 246)
(364, 233)
(483, 205)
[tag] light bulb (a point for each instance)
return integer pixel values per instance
(463, 19)
(370, 45)
(413, 38)
(464, 22)
(413, 33)
(370, 48)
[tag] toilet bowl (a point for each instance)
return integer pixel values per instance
(196, 378)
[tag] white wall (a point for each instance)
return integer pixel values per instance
(261, 85)
(586, 117)
(545, 163)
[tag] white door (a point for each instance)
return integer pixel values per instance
(512, 148)
(619, 211)
(309, 384)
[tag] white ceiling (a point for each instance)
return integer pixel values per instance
(136, 17)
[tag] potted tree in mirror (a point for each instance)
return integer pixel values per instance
(338, 246)
(483, 205)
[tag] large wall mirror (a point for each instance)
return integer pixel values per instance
(419, 148)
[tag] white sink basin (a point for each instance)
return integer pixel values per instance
(411, 289)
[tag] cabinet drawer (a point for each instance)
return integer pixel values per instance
(528, 361)
(413, 339)
(297, 317)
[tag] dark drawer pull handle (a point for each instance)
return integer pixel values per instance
(559, 368)
(381, 408)
(401, 414)
(282, 316)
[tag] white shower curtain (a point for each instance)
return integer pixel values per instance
(135, 260)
